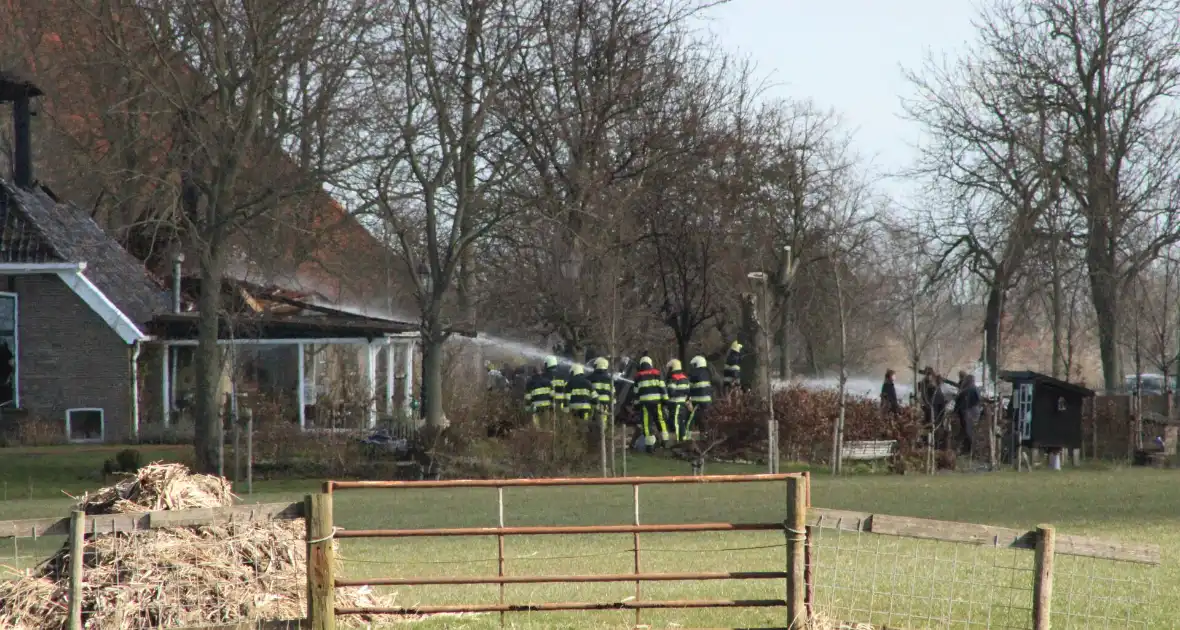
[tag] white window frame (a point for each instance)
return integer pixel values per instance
(15, 346)
(102, 431)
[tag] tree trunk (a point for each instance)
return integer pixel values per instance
(432, 381)
(751, 335)
(1104, 293)
(992, 318)
(783, 340)
(1058, 307)
(838, 434)
(207, 429)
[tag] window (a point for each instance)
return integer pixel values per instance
(9, 354)
(85, 425)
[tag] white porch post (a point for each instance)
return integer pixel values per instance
(389, 380)
(302, 394)
(371, 376)
(408, 369)
(166, 385)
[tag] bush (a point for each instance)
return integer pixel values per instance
(35, 431)
(129, 460)
(181, 431)
(805, 421)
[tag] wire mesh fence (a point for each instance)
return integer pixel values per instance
(858, 577)
(899, 582)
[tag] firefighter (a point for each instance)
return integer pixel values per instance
(732, 375)
(581, 396)
(678, 387)
(700, 393)
(604, 390)
(538, 396)
(650, 396)
(557, 379)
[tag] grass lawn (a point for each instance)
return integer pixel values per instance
(862, 578)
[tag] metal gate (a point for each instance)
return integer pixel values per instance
(322, 610)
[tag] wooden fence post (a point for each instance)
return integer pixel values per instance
(321, 563)
(77, 548)
(1043, 584)
(796, 530)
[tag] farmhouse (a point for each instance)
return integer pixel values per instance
(91, 339)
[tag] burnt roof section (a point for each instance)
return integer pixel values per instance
(1017, 376)
(20, 239)
(38, 229)
(14, 86)
(184, 326)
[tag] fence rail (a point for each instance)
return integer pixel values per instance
(970, 533)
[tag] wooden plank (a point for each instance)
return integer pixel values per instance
(113, 523)
(838, 519)
(239, 514)
(969, 533)
(949, 531)
(1107, 549)
(260, 625)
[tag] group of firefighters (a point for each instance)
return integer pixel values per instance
(672, 405)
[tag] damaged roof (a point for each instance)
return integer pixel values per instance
(37, 228)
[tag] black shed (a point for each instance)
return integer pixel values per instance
(1046, 412)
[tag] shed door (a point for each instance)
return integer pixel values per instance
(1024, 406)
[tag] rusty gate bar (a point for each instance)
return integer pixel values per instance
(549, 530)
(546, 579)
(558, 481)
(557, 606)
(502, 531)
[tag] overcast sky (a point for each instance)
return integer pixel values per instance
(847, 55)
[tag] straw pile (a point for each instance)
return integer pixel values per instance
(172, 578)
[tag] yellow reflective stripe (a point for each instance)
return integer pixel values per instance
(702, 384)
(702, 399)
(581, 406)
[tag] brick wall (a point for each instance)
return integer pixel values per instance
(69, 357)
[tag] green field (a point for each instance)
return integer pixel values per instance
(908, 584)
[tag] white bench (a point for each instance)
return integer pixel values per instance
(868, 450)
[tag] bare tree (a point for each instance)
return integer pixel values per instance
(441, 158)
(216, 77)
(1108, 72)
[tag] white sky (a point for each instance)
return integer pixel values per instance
(847, 55)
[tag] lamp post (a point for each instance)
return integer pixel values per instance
(771, 426)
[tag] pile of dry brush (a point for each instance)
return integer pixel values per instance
(171, 578)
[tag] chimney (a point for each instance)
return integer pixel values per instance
(20, 92)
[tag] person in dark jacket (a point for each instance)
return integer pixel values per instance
(700, 395)
(678, 389)
(650, 396)
(732, 374)
(538, 396)
(889, 393)
(933, 402)
(968, 405)
(580, 395)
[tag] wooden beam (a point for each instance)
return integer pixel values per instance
(238, 514)
(113, 523)
(973, 534)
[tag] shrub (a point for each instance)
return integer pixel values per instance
(181, 431)
(805, 421)
(129, 460)
(36, 431)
